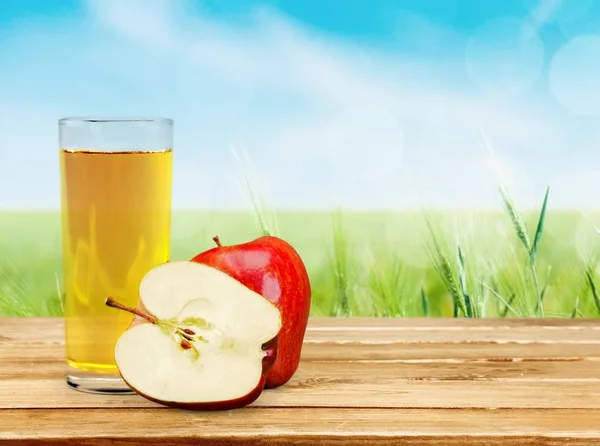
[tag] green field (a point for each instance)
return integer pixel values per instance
(364, 264)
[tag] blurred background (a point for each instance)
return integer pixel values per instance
(425, 157)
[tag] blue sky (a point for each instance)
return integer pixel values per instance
(364, 104)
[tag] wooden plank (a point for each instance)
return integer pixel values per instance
(441, 371)
(264, 426)
(361, 382)
(380, 351)
(34, 369)
(326, 329)
(331, 342)
(326, 391)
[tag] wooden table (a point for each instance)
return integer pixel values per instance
(361, 382)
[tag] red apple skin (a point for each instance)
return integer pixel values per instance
(271, 267)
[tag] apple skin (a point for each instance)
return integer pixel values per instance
(271, 267)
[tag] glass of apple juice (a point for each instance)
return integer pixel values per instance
(115, 182)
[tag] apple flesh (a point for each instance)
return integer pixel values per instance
(272, 268)
(201, 340)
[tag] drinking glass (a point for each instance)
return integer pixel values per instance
(116, 179)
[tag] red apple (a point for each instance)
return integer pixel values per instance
(272, 268)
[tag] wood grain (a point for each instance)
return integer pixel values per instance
(366, 351)
(41, 329)
(431, 370)
(361, 382)
(304, 426)
(329, 392)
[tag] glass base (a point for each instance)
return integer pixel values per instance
(99, 383)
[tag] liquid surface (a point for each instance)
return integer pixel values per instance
(116, 215)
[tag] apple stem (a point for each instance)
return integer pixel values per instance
(113, 303)
(217, 241)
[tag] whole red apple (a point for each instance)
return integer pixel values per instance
(271, 267)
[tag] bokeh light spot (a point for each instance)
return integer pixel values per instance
(573, 76)
(504, 57)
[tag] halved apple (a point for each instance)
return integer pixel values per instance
(206, 341)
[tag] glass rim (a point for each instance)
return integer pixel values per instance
(114, 120)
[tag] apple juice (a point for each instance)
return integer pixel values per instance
(116, 211)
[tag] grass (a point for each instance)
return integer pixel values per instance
(340, 261)
(390, 264)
